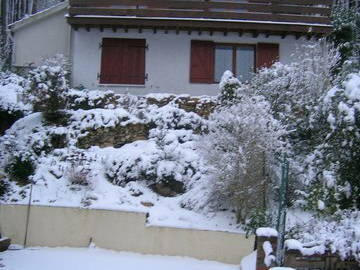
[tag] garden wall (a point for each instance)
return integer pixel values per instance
(125, 231)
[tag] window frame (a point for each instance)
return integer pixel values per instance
(234, 52)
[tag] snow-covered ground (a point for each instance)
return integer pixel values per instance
(95, 259)
(169, 151)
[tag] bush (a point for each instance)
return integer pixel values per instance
(229, 87)
(8, 118)
(20, 169)
(257, 218)
(47, 88)
(240, 138)
(80, 168)
(4, 187)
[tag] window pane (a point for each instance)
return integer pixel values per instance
(245, 61)
(223, 61)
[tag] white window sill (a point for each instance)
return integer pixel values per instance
(121, 85)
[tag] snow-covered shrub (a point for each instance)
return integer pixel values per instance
(294, 89)
(132, 162)
(168, 157)
(259, 217)
(79, 168)
(47, 87)
(229, 86)
(240, 138)
(4, 187)
(297, 93)
(172, 117)
(11, 108)
(335, 162)
(20, 169)
(338, 234)
(86, 99)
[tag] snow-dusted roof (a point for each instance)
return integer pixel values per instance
(38, 16)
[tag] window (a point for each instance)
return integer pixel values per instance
(123, 61)
(240, 59)
(210, 60)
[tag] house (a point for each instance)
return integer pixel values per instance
(176, 46)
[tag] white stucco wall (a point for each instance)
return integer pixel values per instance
(40, 39)
(167, 60)
(124, 231)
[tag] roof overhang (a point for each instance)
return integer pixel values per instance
(38, 16)
(199, 24)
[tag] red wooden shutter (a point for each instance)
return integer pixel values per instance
(202, 61)
(266, 54)
(123, 61)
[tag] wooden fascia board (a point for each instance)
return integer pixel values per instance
(202, 25)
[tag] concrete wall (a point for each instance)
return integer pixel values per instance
(167, 60)
(40, 39)
(125, 231)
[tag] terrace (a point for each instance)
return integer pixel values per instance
(280, 17)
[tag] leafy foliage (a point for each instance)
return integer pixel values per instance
(20, 169)
(346, 31)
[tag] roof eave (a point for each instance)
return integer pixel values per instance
(38, 16)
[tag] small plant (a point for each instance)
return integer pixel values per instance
(20, 169)
(229, 86)
(78, 175)
(4, 186)
(258, 218)
(79, 171)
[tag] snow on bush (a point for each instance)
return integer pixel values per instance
(10, 91)
(334, 163)
(229, 87)
(132, 162)
(90, 99)
(171, 117)
(47, 86)
(166, 157)
(97, 118)
(239, 137)
(339, 234)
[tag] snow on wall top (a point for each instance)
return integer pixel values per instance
(266, 232)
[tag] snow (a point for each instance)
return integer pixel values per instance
(228, 78)
(352, 87)
(249, 262)
(292, 244)
(95, 258)
(169, 151)
(321, 205)
(268, 250)
(339, 234)
(266, 232)
(10, 91)
(281, 268)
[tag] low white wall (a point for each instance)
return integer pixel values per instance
(167, 61)
(41, 39)
(125, 231)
